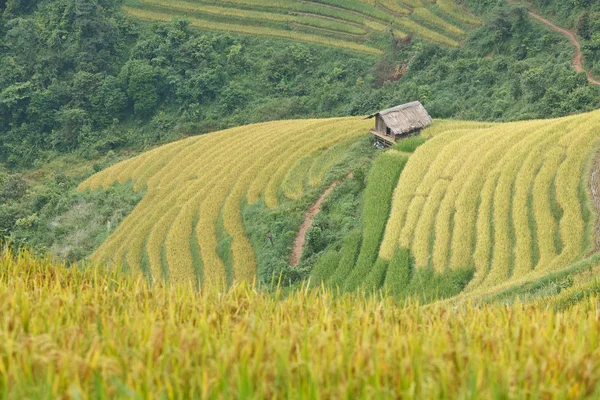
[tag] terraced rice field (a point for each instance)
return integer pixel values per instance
(195, 186)
(357, 25)
(510, 200)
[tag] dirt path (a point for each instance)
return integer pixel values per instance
(578, 58)
(308, 220)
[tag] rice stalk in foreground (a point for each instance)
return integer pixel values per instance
(97, 332)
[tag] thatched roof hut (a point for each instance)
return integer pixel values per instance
(397, 122)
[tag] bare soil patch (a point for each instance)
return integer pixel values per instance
(308, 220)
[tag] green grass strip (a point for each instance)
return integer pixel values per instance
(350, 250)
(381, 183)
(324, 268)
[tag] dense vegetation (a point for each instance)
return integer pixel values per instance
(99, 333)
(110, 82)
(583, 17)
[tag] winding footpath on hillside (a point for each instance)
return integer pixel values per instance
(308, 220)
(578, 57)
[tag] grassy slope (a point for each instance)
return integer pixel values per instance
(508, 200)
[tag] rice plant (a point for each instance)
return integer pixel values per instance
(502, 198)
(96, 332)
(197, 182)
(349, 24)
(381, 182)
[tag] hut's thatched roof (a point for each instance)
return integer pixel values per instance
(405, 118)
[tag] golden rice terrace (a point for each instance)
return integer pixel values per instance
(360, 25)
(511, 201)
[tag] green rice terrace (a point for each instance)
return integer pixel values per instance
(360, 25)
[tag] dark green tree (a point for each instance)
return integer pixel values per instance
(584, 28)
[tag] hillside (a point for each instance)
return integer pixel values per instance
(356, 24)
(511, 200)
(114, 83)
(191, 204)
(195, 190)
(480, 204)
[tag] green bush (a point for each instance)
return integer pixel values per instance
(381, 183)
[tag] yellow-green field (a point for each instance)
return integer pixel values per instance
(511, 200)
(357, 25)
(100, 334)
(193, 184)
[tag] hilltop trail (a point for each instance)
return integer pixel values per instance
(308, 220)
(578, 58)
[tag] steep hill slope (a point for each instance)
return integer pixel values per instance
(578, 57)
(509, 200)
(356, 25)
(496, 202)
(196, 188)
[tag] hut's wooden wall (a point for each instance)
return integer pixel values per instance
(380, 125)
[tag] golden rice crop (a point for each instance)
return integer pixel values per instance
(198, 181)
(434, 173)
(326, 137)
(523, 186)
(484, 231)
(98, 333)
(324, 162)
(345, 24)
(293, 183)
(571, 225)
(544, 218)
(467, 201)
(412, 3)
(425, 226)
(497, 198)
(260, 182)
(425, 14)
(155, 245)
(413, 173)
(255, 30)
(287, 159)
(503, 225)
(392, 5)
(446, 215)
(425, 32)
(251, 15)
(448, 7)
